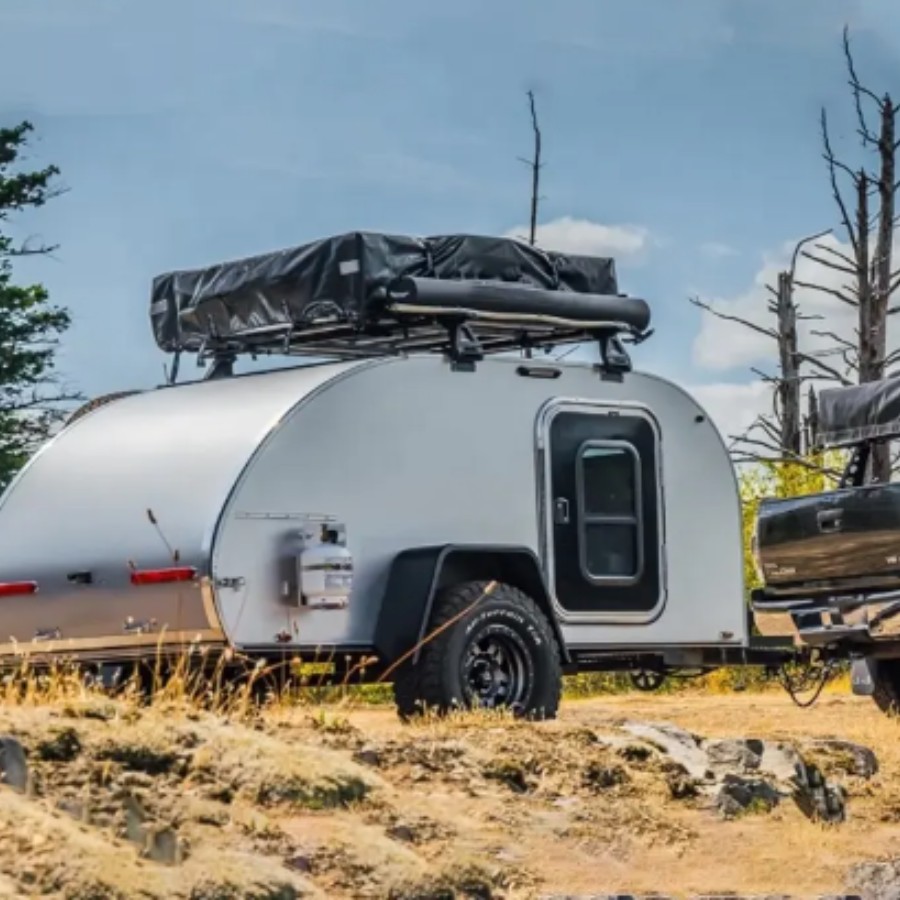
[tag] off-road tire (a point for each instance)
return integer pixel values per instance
(436, 683)
(96, 403)
(887, 686)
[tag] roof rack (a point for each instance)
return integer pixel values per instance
(363, 295)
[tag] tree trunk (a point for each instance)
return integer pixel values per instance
(812, 421)
(789, 383)
(881, 271)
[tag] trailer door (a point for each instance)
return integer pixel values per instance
(604, 538)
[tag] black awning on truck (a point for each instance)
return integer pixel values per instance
(864, 412)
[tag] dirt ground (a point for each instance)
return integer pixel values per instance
(350, 803)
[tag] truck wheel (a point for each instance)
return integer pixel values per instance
(887, 686)
(500, 655)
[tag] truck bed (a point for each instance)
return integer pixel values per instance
(844, 540)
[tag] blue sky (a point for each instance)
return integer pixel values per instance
(190, 131)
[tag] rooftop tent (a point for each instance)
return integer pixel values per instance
(364, 293)
(864, 412)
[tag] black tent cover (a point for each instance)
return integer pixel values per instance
(339, 277)
(864, 412)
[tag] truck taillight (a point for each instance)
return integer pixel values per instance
(163, 576)
(17, 588)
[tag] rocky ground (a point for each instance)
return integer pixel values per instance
(679, 795)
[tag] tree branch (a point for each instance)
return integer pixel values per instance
(834, 292)
(535, 168)
(831, 265)
(858, 92)
(799, 246)
(835, 337)
(842, 256)
(785, 456)
(824, 367)
(768, 332)
(833, 165)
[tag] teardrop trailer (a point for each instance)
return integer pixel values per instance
(431, 490)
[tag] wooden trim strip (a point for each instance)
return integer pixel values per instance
(113, 642)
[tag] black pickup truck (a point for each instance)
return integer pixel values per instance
(830, 562)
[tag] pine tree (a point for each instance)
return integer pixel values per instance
(32, 403)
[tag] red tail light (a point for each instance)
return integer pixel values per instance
(17, 588)
(163, 576)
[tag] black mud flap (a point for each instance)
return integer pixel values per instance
(862, 676)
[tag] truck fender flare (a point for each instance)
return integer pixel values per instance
(418, 575)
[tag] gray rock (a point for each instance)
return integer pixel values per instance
(782, 762)
(855, 759)
(739, 795)
(164, 846)
(13, 765)
(733, 754)
(681, 746)
(876, 881)
(368, 756)
(743, 774)
(77, 809)
(818, 799)
(135, 819)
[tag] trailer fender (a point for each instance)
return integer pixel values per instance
(419, 574)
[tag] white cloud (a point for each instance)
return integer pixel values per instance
(732, 406)
(581, 236)
(727, 346)
(715, 250)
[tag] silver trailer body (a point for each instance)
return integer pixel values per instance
(404, 452)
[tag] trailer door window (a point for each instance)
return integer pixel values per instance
(609, 489)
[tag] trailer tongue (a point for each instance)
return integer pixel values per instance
(436, 496)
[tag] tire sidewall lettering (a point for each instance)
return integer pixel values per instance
(514, 618)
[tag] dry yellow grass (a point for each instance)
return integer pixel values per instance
(173, 800)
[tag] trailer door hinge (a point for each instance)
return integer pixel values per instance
(234, 583)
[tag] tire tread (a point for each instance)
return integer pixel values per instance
(423, 684)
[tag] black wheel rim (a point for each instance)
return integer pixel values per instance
(647, 679)
(497, 670)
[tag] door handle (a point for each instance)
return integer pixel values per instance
(829, 519)
(561, 511)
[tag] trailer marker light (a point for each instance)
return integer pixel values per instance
(17, 588)
(163, 576)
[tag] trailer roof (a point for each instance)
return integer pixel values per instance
(364, 294)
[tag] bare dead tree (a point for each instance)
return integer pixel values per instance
(872, 280)
(783, 434)
(535, 165)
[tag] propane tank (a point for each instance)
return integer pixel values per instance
(324, 568)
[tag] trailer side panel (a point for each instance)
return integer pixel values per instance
(75, 523)
(409, 453)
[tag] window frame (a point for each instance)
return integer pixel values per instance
(585, 519)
